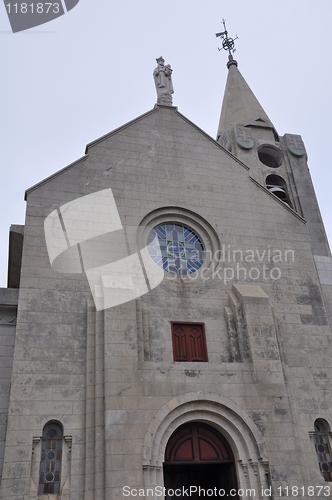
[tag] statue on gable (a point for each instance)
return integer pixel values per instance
(163, 79)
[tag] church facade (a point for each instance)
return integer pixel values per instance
(166, 330)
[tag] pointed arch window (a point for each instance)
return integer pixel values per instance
(51, 457)
(323, 450)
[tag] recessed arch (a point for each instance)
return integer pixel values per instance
(198, 456)
(244, 438)
(191, 220)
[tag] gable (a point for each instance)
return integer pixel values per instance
(146, 125)
(162, 159)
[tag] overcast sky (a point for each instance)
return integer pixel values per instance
(65, 83)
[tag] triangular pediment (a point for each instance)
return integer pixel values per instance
(159, 153)
(258, 122)
(128, 130)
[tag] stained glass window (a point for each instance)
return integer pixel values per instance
(50, 463)
(323, 451)
(176, 248)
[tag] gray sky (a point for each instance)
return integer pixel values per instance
(65, 83)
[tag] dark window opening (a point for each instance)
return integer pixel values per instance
(216, 477)
(270, 156)
(277, 185)
(189, 343)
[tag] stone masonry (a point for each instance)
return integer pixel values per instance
(109, 378)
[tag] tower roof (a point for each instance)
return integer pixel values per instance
(240, 105)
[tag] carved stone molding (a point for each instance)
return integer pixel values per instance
(8, 319)
(254, 465)
(238, 344)
(34, 465)
(69, 441)
(151, 467)
(223, 414)
(265, 465)
(35, 440)
(245, 468)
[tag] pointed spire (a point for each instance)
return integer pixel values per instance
(240, 106)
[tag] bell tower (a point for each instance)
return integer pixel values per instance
(277, 163)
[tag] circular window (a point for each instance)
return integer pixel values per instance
(270, 156)
(50, 455)
(49, 477)
(176, 248)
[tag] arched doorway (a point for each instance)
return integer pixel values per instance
(198, 456)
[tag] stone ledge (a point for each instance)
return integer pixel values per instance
(9, 296)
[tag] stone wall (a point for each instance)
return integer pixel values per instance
(8, 313)
(109, 377)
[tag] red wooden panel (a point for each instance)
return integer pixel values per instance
(180, 435)
(197, 443)
(180, 344)
(196, 344)
(185, 451)
(189, 342)
(210, 435)
(207, 451)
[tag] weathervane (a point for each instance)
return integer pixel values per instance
(227, 43)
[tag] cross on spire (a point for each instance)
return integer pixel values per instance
(227, 43)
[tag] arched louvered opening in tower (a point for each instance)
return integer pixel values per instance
(277, 185)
